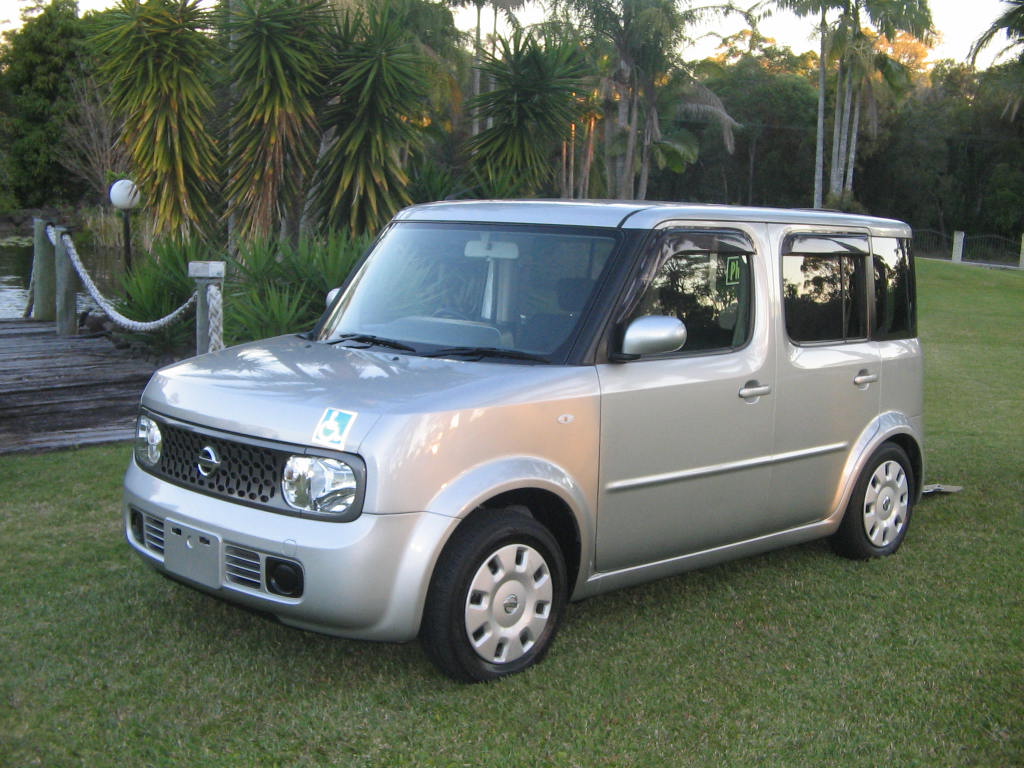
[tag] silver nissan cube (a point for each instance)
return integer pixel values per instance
(513, 405)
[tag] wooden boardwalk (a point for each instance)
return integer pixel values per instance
(64, 392)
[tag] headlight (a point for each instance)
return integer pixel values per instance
(320, 485)
(148, 442)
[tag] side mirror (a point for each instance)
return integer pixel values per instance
(332, 295)
(651, 335)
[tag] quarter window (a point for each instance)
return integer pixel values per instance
(895, 302)
(824, 288)
(703, 278)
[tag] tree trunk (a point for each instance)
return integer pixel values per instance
(645, 160)
(854, 132)
(583, 189)
(819, 141)
(475, 125)
(839, 133)
(751, 164)
(629, 164)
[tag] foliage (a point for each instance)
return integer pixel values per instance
(949, 159)
(375, 106)
(157, 285)
(276, 287)
(157, 60)
(38, 64)
(530, 106)
(277, 52)
(1010, 22)
(792, 658)
(774, 155)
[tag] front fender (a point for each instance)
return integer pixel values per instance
(478, 485)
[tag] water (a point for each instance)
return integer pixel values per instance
(105, 265)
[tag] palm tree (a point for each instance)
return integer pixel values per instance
(277, 53)
(645, 36)
(531, 108)
(1010, 22)
(888, 17)
(375, 97)
(157, 60)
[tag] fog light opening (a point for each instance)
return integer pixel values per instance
(284, 577)
(135, 521)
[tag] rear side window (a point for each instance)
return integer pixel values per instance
(825, 288)
(704, 279)
(895, 296)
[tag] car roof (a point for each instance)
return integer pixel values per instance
(635, 214)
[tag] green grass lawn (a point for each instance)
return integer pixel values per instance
(795, 658)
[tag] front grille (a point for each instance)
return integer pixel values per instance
(153, 533)
(247, 473)
(243, 567)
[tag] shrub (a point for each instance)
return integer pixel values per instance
(157, 285)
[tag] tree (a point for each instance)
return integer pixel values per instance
(277, 53)
(157, 63)
(889, 17)
(375, 96)
(530, 108)
(1010, 22)
(645, 36)
(774, 103)
(38, 65)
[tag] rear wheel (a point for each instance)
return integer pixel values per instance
(496, 598)
(879, 511)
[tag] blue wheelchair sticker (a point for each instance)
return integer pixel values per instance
(333, 428)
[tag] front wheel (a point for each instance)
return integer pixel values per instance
(496, 598)
(879, 511)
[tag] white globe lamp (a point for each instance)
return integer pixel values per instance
(125, 196)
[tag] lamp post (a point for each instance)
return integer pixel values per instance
(125, 196)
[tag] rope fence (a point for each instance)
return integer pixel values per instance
(208, 294)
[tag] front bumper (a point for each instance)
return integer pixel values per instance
(364, 579)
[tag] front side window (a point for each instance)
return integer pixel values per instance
(704, 279)
(824, 287)
(435, 287)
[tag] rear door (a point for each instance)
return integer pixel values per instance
(829, 371)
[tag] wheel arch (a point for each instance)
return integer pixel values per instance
(891, 427)
(551, 511)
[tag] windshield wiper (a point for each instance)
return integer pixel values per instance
(368, 338)
(511, 354)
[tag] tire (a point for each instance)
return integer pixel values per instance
(497, 597)
(878, 515)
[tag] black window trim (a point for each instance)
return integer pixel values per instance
(869, 281)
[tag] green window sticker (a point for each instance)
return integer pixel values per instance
(733, 270)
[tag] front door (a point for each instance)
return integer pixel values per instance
(686, 437)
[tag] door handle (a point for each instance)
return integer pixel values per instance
(864, 378)
(754, 389)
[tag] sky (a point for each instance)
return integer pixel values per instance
(960, 22)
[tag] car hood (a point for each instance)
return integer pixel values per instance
(285, 388)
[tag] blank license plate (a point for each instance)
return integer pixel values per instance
(192, 553)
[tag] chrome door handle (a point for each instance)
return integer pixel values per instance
(754, 389)
(864, 378)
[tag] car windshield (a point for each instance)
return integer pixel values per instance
(508, 293)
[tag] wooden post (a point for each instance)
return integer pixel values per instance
(958, 246)
(204, 273)
(45, 286)
(67, 286)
